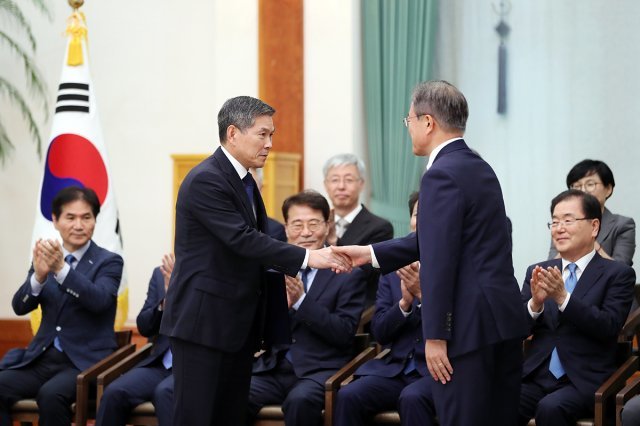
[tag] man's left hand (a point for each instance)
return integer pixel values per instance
(51, 251)
(295, 289)
(550, 280)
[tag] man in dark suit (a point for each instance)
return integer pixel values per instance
(470, 316)
(76, 284)
(151, 380)
(324, 310)
(353, 223)
(387, 383)
(215, 304)
(576, 306)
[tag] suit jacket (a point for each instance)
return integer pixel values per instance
(402, 335)
(586, 332)
(221, 258)
(366, 228)
(323, 327)
(80, 311)
(471, 297)
(276, 230)
(149, 318)
(617, 237)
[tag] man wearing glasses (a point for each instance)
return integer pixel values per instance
(576, 306)
(324, 310)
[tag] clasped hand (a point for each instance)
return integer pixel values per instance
(48, 257)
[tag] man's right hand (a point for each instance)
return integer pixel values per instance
(538, 295)
(40, 266)
(357, 255)
(326, 258)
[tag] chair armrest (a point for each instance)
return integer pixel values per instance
(332, 384)
(612, 386)
(83, 381)
(121, 367)
(628, 392)
(631, 325)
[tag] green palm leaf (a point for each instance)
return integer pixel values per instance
(9, 90)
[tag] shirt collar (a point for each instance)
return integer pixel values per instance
(351, 215)
(437, 150)
(582, 262)
(78, 254)
(242, 172)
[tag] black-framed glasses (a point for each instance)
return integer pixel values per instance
(588, 186)
(565, 222)
(407, 119)
(298, 226)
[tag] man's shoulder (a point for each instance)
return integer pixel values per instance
(375, 220)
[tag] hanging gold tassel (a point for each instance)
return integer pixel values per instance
(77, 29)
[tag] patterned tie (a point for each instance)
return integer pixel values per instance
(555, 366)
(305, 278)
(56, 342)
(249, 186)
(167, 359)
(341, 227)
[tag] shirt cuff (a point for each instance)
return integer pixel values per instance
(534, 315)
(60, 276)
(299, 302)
(305, 261)
(406, 314)
(564, 304)
(36, 287)
(374, 260)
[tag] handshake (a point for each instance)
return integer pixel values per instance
(340, 258)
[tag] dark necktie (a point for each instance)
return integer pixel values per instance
(70, 259)
(249, 186)
(555, 366)
(305, 278)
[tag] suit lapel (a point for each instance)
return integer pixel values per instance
(607, 225)
(320, 281)
(589, 277)
(88, 260)
(237, 185)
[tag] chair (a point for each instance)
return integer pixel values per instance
(143, 414)
(272, 415)
(25, 411)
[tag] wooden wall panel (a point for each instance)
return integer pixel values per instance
(281, 71)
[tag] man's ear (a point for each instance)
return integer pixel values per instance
(596, 227)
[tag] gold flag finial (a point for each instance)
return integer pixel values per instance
(76, 4)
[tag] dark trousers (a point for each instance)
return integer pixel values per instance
(51, 379)
(151, 383)
(366, 396)
(484, 388)
(553, 401)
(302, 399)
(211, 387)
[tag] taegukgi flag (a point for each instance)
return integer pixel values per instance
(76, 155)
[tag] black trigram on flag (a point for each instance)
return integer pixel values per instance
(73, 97)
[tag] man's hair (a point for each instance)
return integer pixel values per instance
(310, 198)
(413, 199)
(588, 168)
(344, 160)
(73, 193)
(241, 112)
(443, 101)
(590, 204)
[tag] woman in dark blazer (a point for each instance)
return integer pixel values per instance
(617, 237)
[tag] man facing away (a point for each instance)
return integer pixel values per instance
(324, 311)
(216, 301)
(151, 380)
(471, 319)
(576, 307)
(76, 284)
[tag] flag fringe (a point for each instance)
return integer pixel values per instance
(77, 29)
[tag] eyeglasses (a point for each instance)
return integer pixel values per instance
(588, 186)
(313, 226)
(348, 180)
(566, 222)
(408, 118)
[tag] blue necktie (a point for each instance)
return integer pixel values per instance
(555, 366)
(69, 259)
(305, 278)
(167, 359)
(249, 185)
